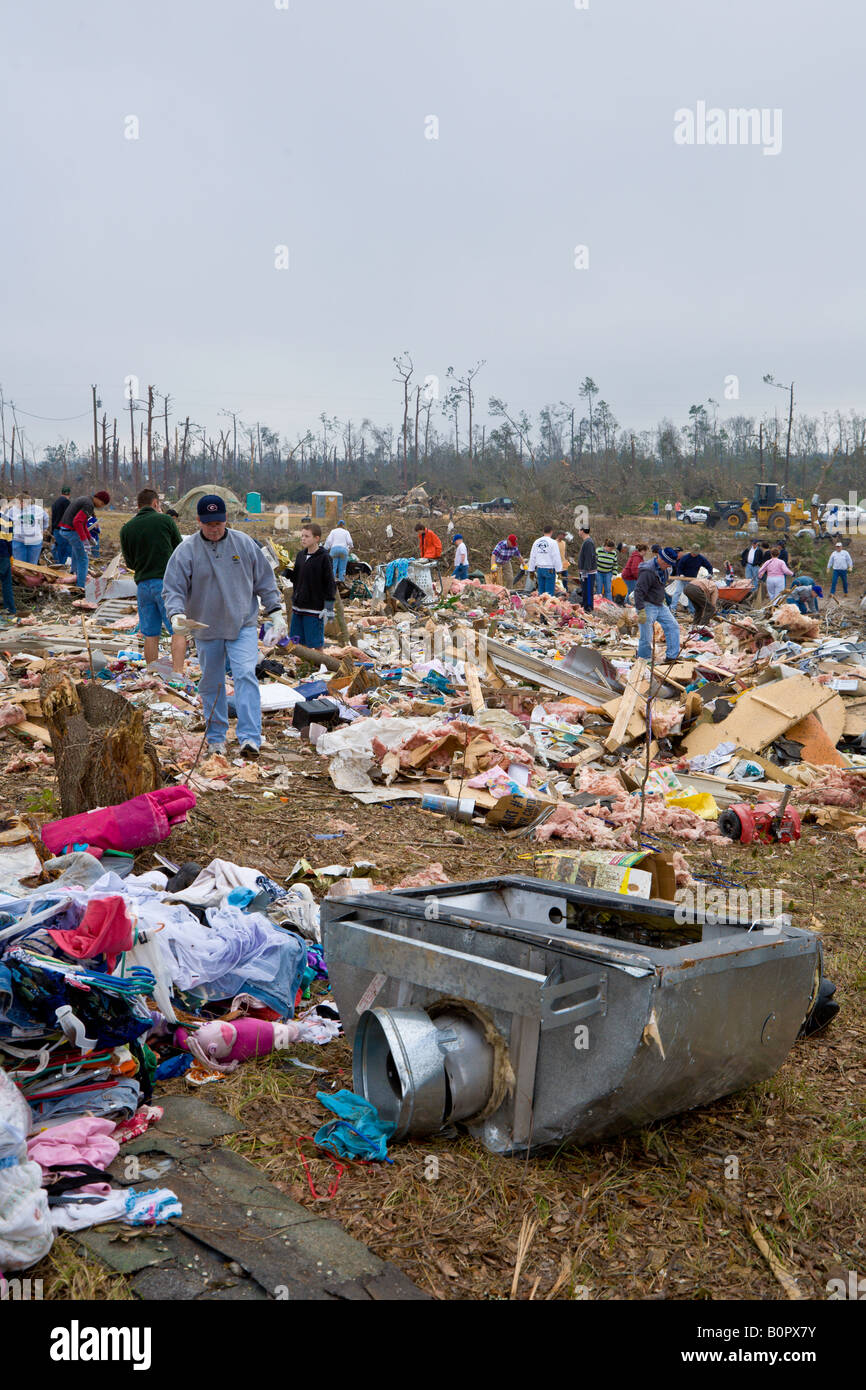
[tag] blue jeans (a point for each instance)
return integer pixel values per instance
(6, 582)
(30, 553)
(461, 571)
(603, 583)
(308, 630)
(629, 585)
(243, 653)
(588, 583)
(79, 557)
(837, 574)
(546, 580)
(152, 617)
(659, 613)
(339, 560)
(94, 541)
(61, 546)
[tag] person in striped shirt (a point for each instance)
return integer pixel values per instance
(504, 556)
(606, 560)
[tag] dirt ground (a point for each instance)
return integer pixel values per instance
(657, 1214)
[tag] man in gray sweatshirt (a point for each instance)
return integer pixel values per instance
(215, 577)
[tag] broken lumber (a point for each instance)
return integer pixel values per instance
(627, 702)
(30, 730)
(473, 685)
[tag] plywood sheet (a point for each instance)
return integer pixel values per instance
(761, 715)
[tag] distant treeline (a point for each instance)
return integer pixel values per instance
(560, 456)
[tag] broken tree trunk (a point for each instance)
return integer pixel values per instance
(101, 751)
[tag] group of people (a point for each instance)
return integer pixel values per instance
(672, 509)
(547, 561)
(211, 583)
(768, 561)
(74, 529)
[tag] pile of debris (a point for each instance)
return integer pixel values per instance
(518, 713)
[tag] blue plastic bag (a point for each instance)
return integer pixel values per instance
(359, 1133)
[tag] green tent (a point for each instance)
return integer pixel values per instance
(186, 507)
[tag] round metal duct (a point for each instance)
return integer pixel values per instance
(421, 1074)
(398, 1067)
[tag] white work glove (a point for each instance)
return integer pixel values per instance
(277, 621)
(181, 623)
(329, 612)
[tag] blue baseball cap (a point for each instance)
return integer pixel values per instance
(211, 508)
(665, 553)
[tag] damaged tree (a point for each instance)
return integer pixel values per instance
(101, 751)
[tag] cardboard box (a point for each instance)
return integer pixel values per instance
(597, 868)
(516, 810)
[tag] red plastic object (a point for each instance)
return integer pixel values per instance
(145, 820)
(335, 1183)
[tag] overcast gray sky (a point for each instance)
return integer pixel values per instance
(307, 127)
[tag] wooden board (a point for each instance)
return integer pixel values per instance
(627, 703)
(855, 717)
(54, 576)
(587, 755)
(761, 715)
(34, 731)
(473, 685)
(832, 716)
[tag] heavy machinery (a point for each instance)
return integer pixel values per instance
(771, 509)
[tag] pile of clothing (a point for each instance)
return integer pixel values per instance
(109, 984)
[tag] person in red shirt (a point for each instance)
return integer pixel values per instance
(73, 528)
(429, 544)
(632, 565)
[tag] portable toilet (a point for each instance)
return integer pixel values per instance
(254, 502)
(327, 507)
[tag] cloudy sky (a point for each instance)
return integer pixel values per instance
(306, 124)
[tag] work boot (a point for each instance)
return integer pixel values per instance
(248, 749)
(216, 748)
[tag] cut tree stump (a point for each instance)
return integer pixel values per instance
(101, 750)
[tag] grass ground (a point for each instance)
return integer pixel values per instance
(648, 1215)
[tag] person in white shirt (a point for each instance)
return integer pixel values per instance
(29, 521)
(338, 543)
(545, 561)
(839, 564)
(461, 558)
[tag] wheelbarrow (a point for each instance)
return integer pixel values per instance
(732, 594)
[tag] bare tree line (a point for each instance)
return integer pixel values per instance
(564, 452)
